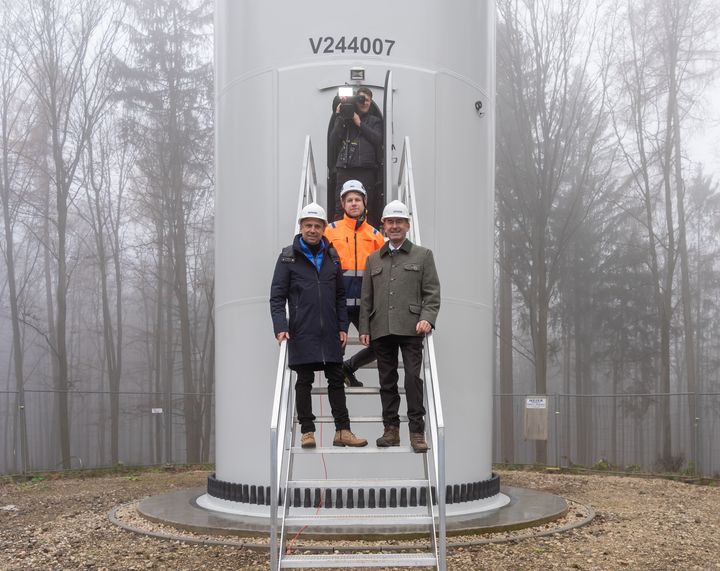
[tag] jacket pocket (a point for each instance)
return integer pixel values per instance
(413, 267)
(376, 271)
(415, 308)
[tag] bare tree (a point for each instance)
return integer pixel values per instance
(656, 58)
(552, 132)
(69, 68)
(505, 338)
(167, 88)
(16, 117)
(107, 167)
(686, 28)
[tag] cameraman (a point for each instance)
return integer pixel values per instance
(357, 142)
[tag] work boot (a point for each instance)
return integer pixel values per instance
(349, 374)
(346, 438)
(417, 441)
(391, 437)
(308, 440)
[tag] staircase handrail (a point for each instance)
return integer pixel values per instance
(406, 194)
(308, 180)
(280, 422)
(277, 445)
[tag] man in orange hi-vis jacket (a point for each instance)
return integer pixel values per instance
(354, 239)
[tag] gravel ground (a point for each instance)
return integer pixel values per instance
(640, 524)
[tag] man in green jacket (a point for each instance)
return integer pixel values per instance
(399, 304)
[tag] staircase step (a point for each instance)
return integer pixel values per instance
(354, 419)
(359, 560)
(366, 483)
(353, 450)
(355, 390)
(373, 365)
(359, 520)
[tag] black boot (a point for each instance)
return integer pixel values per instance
(349, 374)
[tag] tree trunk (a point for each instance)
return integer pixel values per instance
(686, 292)
(169, 363)
(209, 376)
(507, 420)
(17, 348)
(581, 408)
(190, 399)
(44, 187)
(540, 354)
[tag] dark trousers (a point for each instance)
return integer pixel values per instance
(336, 395)
(366, 355)
(375, 199)
(386, 350)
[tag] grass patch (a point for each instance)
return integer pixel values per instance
(132, 472)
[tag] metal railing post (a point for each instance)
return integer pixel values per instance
(275, 424)
(557, 436)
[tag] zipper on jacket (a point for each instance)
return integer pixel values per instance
(322, 326)
(355, 240)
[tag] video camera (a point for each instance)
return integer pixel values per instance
(349, 106)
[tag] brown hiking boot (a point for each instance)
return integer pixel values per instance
(347, 438)
(391, 437)
(308, 440)
(417, 441)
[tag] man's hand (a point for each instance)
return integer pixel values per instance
(423, 326)
(356, 120)
(343, 338)
(283, 335)
(365, 340)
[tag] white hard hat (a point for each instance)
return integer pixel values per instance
(353, 186)
(395, 209)
(313, 210)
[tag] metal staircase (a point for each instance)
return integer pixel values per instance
(368, 506)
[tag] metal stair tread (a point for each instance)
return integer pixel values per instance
(353, 450)
(359, 560)
(359, 483)
(373, 365)
(354, 419)
(373, 519)
(355, 390)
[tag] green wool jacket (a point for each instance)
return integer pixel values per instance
(398, 291)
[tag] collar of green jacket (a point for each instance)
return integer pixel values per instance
(406, 247)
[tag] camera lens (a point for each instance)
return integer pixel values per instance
(361, 99)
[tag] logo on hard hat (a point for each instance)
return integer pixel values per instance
(353, 186)
(313, 210)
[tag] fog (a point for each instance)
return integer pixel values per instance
(607, 203)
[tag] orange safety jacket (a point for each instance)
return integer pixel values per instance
(353, 244)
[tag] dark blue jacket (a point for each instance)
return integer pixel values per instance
(316, 302)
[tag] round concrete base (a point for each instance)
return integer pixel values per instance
(522, 508)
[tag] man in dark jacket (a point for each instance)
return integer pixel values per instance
(399, 305)
(358, 142)
(309, 279)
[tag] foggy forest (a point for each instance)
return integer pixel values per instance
(607, 216)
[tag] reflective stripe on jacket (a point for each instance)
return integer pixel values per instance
(353, 244)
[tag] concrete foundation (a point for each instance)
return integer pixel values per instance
(523, 508)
